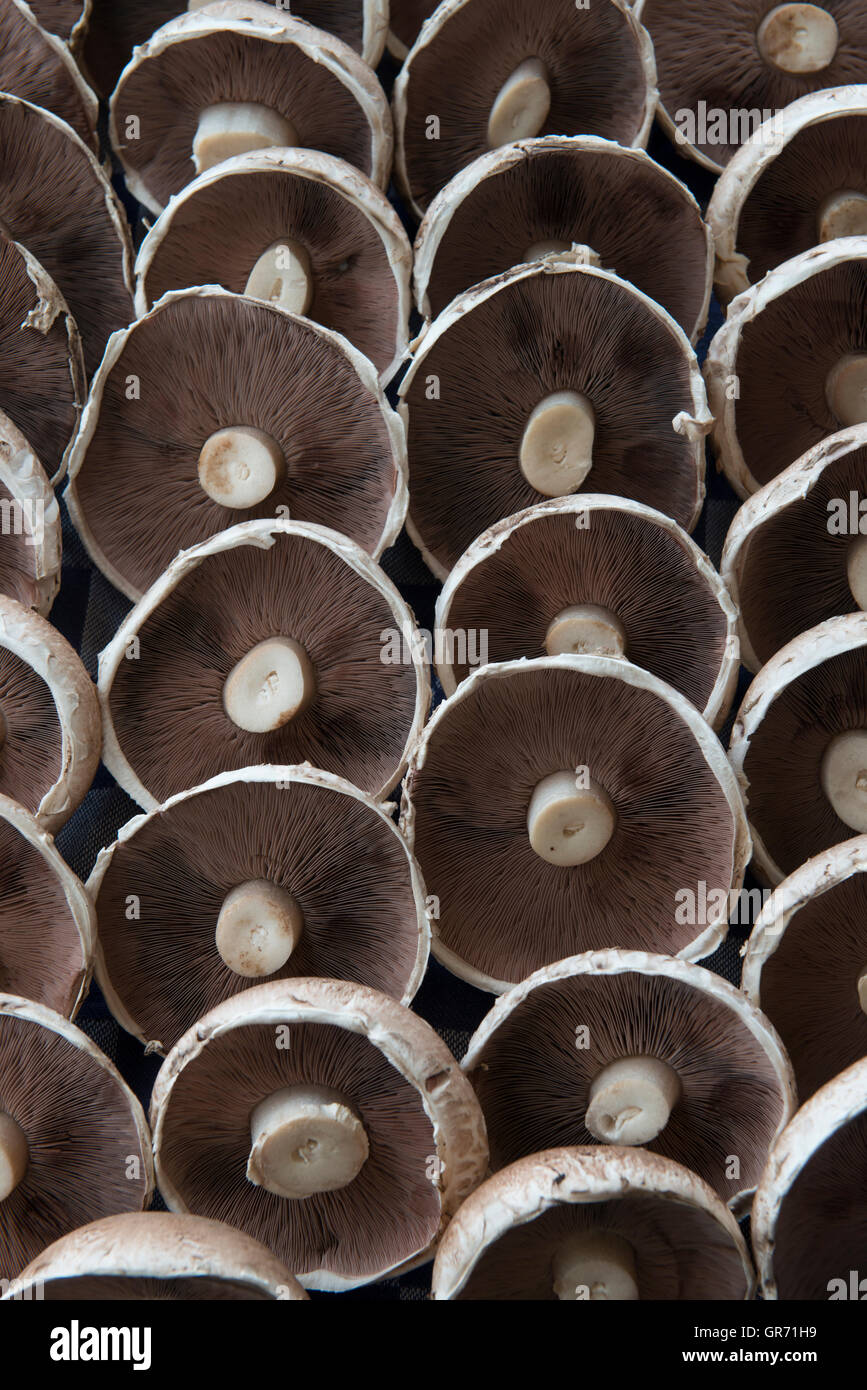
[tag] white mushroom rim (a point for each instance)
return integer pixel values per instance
(721, 365)
(436, 221)
(602, 667)
(253, 21)
(405, 1040)
(63, 54)
(262, 534)
(833, 1106)
(719, 699)
(284, 776)
(315, 167)
(805, 652)
(30, 509)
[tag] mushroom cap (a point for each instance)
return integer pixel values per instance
(42, 378)
(599, 66)
(359, 253)
(405, 18)
(784, 569)
(638, 564)
(241, 50)
(37, 65)
(709, 54)
(532, 1070)
(803, 962)
(52, 735)
(809, 1217)
(503, 910)
(165, 725)
(47, 923)
(767, 367)
(766, 207)
(338, 853)
(813, 689)
(156, 1254)
(57, 201)
(499, 1244)
(88, 1140)
(205, 360)
(501, 348)
(68, 19)
(642, 221)
(426, 1133)
(30, 546)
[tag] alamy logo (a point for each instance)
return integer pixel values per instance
(23, 517)
(77, 1343)
(854, 1288)
(716, 126)
(458, 647)
(700, 906)
(847, 516)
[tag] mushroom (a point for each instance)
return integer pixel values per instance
(42, 380)
(239, 410)
(273, 642)
(68, 19)
(624, 1048)
(47, 925)
(799, 746)
(598, 576)
(726, 65)
(156, 1255)
(350, 1141)
(57, 201)
(405, 18)
(794, 554)
(806, 963)
(30, 545)
(534, 382)
(567, 802)
(309, 234)
(547, 68)
(789, 365)
(271, 871)
(74, 1142)
(37, 65)
(49, 718)
(593, 1224)
(526, 200)
(238, 76)
(809, 1217)
(797, 183)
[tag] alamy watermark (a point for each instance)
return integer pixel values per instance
(23, 517)
(444, 646)
(716, 125)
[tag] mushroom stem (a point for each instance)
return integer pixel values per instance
(3, 728)
(846, 389)
(798, 38)
(234, 127)
(862, 989)
(269, 686)
(239, 466)
(586, 628)
(631, 1100)
(843, 214)
(14, 1155)
(856, 570)
(282, 275)
(593, 1266)
(844, 777)
(556, 451)
(521, 106)
(258, 928)
(540, 249)
(570, 819)
(305, 1139)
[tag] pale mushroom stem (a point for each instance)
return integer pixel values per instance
(594, 1266)
(3, 729)
(240, 466)
(305, 1139)
(843, 214)
(798, 38)
(521, 106)
(269, 686)
(283, 276)
(258, 928)
(862, 989)
(234, 127)
(14, 1155)
(570, 818)
(631, 1100)
(844, 777)
(856, 571)
(556, 451)
(846, 389)
(586, 628)
(575, 251)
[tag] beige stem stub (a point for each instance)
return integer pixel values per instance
(798, 38)
(14, 1155)
(240, 466)
(862, 989)
(258, 928)
(586, 629)
(234, 127)
(521, 106)
(844, 777)
(557, 445)
(540, 249)
(595, 1266)
(283, 276)
(305, 1139)
(3, 728)
(856, 570)
(846, 389)
(843, 214)
(631, 1100)
(269, 686)
(570, 819)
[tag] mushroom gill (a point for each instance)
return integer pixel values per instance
(38, 67)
